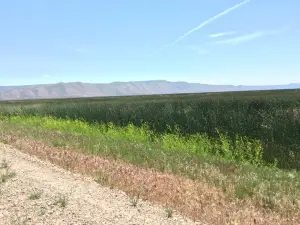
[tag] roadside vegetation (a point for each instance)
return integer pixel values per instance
(246, 144)
(5, 171)
(271, 117)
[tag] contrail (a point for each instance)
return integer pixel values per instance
(209, 21)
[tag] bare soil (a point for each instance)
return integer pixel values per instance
(62, 197)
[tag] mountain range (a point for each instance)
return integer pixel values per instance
(79, 89)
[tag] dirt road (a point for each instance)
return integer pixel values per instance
(37, 192)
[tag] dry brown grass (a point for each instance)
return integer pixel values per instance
(194, 199)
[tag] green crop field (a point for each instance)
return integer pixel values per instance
(270, 117)
(246, 143)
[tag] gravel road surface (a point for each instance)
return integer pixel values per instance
(37, 192)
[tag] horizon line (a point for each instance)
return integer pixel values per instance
(154, 80)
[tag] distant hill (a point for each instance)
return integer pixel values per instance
(78, 89)
(2, 88)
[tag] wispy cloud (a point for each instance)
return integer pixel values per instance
(208, 21)
(222, 34)
(46, 75)
(246, 37)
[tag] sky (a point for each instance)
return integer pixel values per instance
(251, 42)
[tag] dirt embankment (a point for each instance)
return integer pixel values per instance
(37, 192)
(89, 203)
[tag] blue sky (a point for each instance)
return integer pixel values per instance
(255, 42)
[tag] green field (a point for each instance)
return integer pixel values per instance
(270, 117)
(246, 143)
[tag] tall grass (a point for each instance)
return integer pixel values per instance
(237, 166)
(240, 150)
(271, 117)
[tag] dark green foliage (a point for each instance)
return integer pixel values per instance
(270, 116)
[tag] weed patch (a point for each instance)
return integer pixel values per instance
(61, 201)
(6, 176)
(34, 195)
(169, 212)
(134, 201)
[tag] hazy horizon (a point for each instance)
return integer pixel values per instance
(181, 81)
